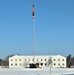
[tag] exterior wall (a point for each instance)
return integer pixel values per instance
(58, 61)
(26, 60)
(15, 61)
(44, 61)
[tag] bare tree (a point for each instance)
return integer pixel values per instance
(25, 64)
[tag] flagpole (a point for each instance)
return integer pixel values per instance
(33, 40)
(33, 32)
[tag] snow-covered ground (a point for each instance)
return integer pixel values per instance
(43, 71)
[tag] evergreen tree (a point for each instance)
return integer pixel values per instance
(73, 60)
(69, 60)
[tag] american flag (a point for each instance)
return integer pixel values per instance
(33, 11)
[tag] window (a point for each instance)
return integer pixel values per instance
(58, 64)
(11, 64)
(45, 59)
(54, 64)
(62, 59)
(37, 59)
(32, 59)
(54, 60)
(20, 59)
(45, 64)
(16, 64)
(58, 59)
(15, 59)
(41, 59)
(63, 64)
(41, 64)
(20, 64)
(29, 59)
(11, 59)
(25, 59)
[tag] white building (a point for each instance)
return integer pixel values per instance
(42, 60)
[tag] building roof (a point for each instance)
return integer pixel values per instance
(23, 56)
